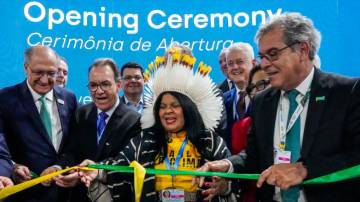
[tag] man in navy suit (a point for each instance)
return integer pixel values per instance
(5, 160)
(323, 133)
(240, 60)
(34, 117)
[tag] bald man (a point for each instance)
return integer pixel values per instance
(34, 116)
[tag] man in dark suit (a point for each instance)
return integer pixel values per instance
(87, 140)
(5, 159)
(34, 117)
(322, 135)
(132, 83)
(227, 84)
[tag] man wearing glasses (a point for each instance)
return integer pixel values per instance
(240, 60)
(34, 118)
(62, 72)
(100, 129)
(306, 125)
(132, 83)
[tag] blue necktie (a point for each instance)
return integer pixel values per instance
(292, 144)
(101, 123)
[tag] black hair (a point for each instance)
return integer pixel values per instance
(251, 76)
(106, 61)
(194, 124)
(132, 65)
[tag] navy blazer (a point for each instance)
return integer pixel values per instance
(331, 137)
(24, 132)
(229, 99)
(5, 160)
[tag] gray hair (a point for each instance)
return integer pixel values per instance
(243, 47)
(296, 28)
(29, 52)
(223, 51)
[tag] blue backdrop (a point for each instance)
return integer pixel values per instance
(136, 30)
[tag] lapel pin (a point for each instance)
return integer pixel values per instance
(320, 98)
(60, 101)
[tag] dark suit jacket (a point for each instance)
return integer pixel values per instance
(122, 126)
(331, 136)
(5, 160)
(224, 86)
(229, 99)
(26, 136)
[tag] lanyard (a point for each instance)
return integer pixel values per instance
(283, 129)
(178, 157)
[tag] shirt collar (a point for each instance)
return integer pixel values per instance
(36, 96)
(112, 109)
(305, 84)
(139, 103)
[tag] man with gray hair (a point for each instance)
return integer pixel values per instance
(240, 60)
(227, 84)
(62, 72)
(300, 130)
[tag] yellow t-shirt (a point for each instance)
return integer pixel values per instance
(190, 160)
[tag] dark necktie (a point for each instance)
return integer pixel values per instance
(292, 144)
(45, 116)
(240, 105)
(231, 85)
(101, 123)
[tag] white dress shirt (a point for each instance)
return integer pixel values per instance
(51, 105)
(303, 89)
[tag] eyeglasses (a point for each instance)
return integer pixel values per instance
(105, 85)
(40, 73)
(273, 54)
(129, 78)
(259, 86)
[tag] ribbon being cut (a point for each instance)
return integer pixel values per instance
(139, 174)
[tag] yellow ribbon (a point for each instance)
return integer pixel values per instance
(19, 187)
(139, 176)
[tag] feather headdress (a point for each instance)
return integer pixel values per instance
(176, 74)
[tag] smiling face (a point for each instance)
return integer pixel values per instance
(238, 67)
(171, 114)
(41, 69)
(287, 71)
(132, 82)
(106, 93)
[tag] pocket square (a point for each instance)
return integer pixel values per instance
(319, 98)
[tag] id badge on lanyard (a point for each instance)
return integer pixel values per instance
(172, 194)
(281, 155)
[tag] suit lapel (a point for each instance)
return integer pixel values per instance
(110, 130)
(60, 103)
(268, 122)
(315, 110)
(30, 107)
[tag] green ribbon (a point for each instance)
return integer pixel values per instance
(126, 169)
(337, 176)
